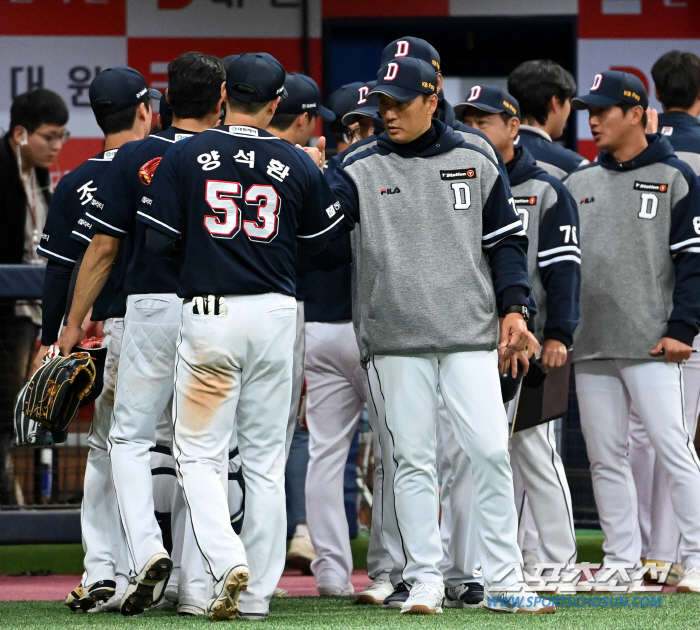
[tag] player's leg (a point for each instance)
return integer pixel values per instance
(657, 389)
(334, 404)
(665, 542)
(106, 555)
(208, 374)
(604, 406)
(469, 384)
(144, 389)
(408, 386)
(458, 525)
(547, 490)
(261, 421)
(642, 459)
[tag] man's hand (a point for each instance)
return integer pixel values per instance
(531, 349)
(317, 153)
(71, 336)
(652, 120)
(554, 354)
(514, 336)
(674, 350)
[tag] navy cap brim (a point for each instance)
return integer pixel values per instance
(325, 113)
(154, 93)
(401, 94)
(592, 100)
(460, 107)
(361, 112)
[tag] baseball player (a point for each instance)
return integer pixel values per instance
(295, 121)
(544, 90)
(122, 110)
(550, 218)
(241, 199)
(677, 78)
(340, 103)
(415, 341)
(639, 315)
(144, 381)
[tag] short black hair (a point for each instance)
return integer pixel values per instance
(677, 78)
(248, 109)
(194, 84)
(39, 107)
(625, 106)
(284, 121)
(534, 83)
(120, 121)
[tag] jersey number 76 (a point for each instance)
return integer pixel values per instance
(226, 223)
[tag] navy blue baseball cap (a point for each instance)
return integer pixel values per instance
(612, 88)
(411, 47)
(303, 95)
(491, 99)
(365, 105)
(343, 100)
(124, 87)
(227, 60)
(255, 78)
(404, 78)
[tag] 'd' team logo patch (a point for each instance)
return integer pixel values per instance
(525, 201)
(651, 187)
(458, 173)
(147, 171)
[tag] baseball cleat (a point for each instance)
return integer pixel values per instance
(139, 594)
(224, 606)
(519, 598)
(376, 592)
(301, 553)
(690, 582)
(187, 610)
(466, 595)
(397, 597)
(281, 592)
(88, 597)
(425, 598)
(329, 590)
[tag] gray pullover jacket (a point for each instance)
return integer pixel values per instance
(440, 249)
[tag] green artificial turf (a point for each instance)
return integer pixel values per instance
(676, 611)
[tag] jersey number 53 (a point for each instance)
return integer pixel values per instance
(226, 223)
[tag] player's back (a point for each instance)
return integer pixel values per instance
(244, 198)
(683, 132)
(550, 156)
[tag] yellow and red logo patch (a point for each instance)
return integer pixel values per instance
(147, 171)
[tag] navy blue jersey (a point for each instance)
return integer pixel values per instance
(67, 234)
(240, 199)
(116, 204)
(683, 132)
(553, 158)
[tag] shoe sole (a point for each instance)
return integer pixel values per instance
(393, 604)
(225, 606)
(139, 594)
(91, 600)
(299, 563)
(367, 600)
(685, 589)
(421, 609)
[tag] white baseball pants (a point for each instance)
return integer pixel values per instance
(144, 392)
(469, 384)
(336, 393)
(606, 391)
(459, 530)
(297, 374)
(642, 459)
(236, 366)
(106, 556)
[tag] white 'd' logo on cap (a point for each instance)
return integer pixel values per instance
(401, 49)
(391, 71)
(596, 82)
(364, 90)
(475, 93)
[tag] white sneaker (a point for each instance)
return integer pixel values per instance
(281, 592)
(519, 598)
(376, 592)
(329, 590)
(224, 606)
(425, 598)
(690, 582)
(189, 610)
(301, 552)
